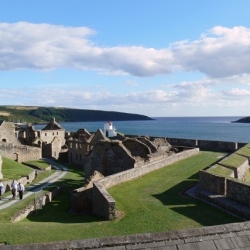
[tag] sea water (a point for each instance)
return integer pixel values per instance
(201, 128)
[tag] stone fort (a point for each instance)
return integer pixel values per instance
(108, 161)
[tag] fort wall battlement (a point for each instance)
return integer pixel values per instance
(222, 146)
(104, 204)
(222, 184)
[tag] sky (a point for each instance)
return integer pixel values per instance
(157, 58)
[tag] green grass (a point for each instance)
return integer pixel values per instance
(234, 160)
(152, 203)
(244, 150)
(38, 163)
(220, 170)
(14, 170)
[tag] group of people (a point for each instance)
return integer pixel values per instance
(16, 187)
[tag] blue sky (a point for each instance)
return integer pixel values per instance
(151, 57)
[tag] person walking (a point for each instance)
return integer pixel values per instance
(21, 190)
(1, 189)
(14, 188)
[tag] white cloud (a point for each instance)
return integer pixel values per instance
(220, 52)
(131, 83)
(202, 93)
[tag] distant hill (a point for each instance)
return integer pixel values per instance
(243, 120)
(33, 114)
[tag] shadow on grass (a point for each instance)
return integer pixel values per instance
(201, 212)
(58, 210)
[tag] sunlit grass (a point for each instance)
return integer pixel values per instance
(244, 150)
(14, 170)
(234, 160)
(38, 163)
(155, 202)
(220, 170)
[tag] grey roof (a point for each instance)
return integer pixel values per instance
(53, 126)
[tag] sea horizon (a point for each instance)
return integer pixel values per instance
(217, 128)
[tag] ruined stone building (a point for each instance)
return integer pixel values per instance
(52, 139)
(8, 133)
(24, 142)
(11, 144)
(81, 143)
(113, 156)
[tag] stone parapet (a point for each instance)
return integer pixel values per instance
(212, 182)
(178, 239)
(238, 191)
(222, 146)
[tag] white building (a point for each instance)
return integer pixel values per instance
(109, 130)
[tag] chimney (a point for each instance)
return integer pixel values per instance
(53, 120)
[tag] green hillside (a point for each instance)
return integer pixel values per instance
(32, 114)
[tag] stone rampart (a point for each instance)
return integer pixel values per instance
(240, 171)
(238, 191)
(212, 182)
(19, 153)
(103, 203)
(223, 146)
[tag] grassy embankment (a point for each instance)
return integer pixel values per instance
(40, 164)
(152, 203)
(13, 170)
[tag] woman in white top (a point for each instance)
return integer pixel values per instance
(14, 188)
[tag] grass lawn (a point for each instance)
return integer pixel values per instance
(244, 150)
(39, 163)
(234, 160)
(152, 203)
(14, 170)
(220, 170)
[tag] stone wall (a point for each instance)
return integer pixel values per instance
(240, 171)
(77, 150)
(7, 132)
(108, 158)
(24, 180)
(82, 198)
(31, 208)
(212, 182)
(238, 191)
(104, 204)
(137, 148)
(19, 153)
(203, 144)
(145, 141)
